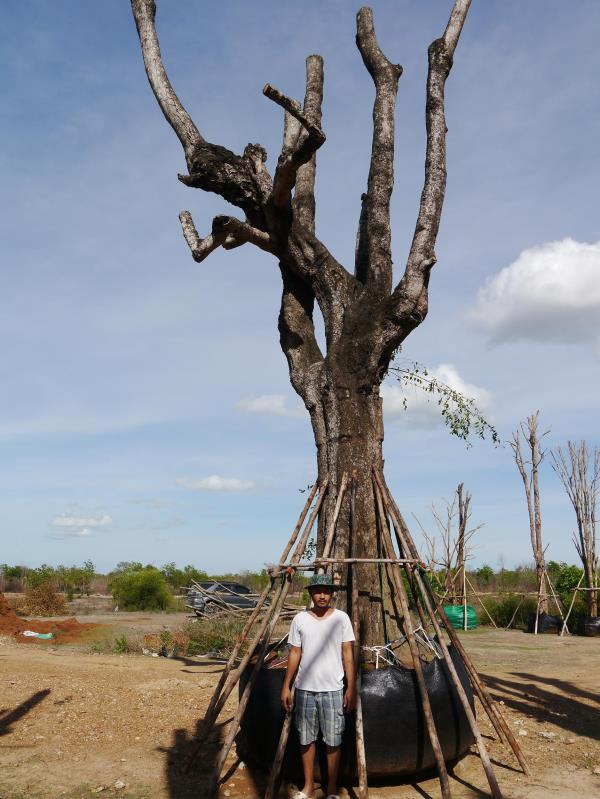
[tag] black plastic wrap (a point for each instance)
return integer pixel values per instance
(546, 623)
(396, 740)
(589, 626)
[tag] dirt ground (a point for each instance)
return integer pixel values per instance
(75, 724)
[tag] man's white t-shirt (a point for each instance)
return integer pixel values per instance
(321, 667)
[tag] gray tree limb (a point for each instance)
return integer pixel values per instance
(144, 12)
(374, 251)
(300, 152)
(303, 204)
(409, 303)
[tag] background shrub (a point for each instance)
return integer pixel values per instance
(144, 589)
(43, 600)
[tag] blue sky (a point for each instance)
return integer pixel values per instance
(132, 375)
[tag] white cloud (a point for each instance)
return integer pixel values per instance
(274, 404)
(85, 533)
(216, 483)
(67, 522)
(68, 526)
(551, 291)
(419, 408)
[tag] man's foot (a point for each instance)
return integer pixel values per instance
(304, 795)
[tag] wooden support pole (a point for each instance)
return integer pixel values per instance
(287, 722)
(414, 651)
(361, 760)
(514, 616)
(234, 726)
(485, 759)
(209, 716)
(575, 590)
(556, 600)
(494, 714)
(476, 595)
(332, 526)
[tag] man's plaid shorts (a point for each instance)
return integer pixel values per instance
(320, 710)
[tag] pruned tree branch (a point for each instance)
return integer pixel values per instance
(303, 204)
(200, 248)
(144, 12)
(227, 232)
(374, 251)
(295, 154)
(211, 167)
(409, 302)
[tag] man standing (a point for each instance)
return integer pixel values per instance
(321, 652)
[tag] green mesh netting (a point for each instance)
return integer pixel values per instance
(456, 616)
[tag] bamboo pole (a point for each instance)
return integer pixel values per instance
(418, 666)
(234, 726)
(537, 608)
(514, 616)
(556, 600)
(485, 759)
(332, 526)
(277, 569)
(575, 590)
(476, 595)
(287, 722)
(210, 715)
(361, 760)
(494, 714)
(464, 593)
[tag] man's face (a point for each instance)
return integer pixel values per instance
(321, 596)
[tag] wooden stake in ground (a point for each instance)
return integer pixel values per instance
(486, 700)
(361, 760)
(211, 711)
(287, 722)
(416, 660)
(485, 759)
(266, 635)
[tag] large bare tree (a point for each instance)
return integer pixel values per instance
(580, 477)
(528, 467)
(366, 316)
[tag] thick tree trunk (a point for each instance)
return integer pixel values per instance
(348, 426)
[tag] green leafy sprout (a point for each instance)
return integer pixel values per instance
(460, 413)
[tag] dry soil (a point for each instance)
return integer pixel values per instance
(76, 724)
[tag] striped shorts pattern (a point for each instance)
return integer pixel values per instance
(320, 710)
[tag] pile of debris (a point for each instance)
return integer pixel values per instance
(212, 599)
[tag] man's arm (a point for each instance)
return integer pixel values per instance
(294, 656)
(348, 661)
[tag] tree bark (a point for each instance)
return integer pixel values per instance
(347, 423)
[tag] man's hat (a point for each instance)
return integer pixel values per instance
(324, 580)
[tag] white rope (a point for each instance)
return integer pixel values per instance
(420, 636)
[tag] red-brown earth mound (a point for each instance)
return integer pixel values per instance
(62, 631)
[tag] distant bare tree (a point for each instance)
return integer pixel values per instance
(455, 550)
(528, 469)
(580, 476)
(367, 310)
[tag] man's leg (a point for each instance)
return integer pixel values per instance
(308, 766)
(333, 764)
(307, 726)
(332, 722)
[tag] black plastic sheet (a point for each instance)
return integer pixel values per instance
(396, 739)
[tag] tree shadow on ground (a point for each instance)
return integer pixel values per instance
(190, 773)
(8, 717)
(549, 700)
